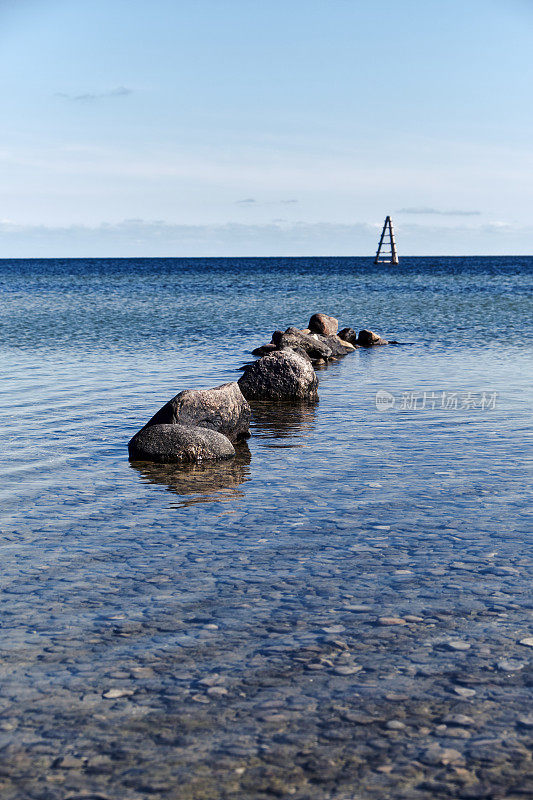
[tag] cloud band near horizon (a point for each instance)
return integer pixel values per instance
(137, 237)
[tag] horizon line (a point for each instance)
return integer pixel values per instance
(369, 256)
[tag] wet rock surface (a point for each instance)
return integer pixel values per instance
(264, 349)
(280, 376)
(323, 324)
(369, 339)
(294, 340)
(179, 444)
(337, 346)
(320, 342)
(221, 409)
(348, 335)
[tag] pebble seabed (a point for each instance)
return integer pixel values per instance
(366, 663)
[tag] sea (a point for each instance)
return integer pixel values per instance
(341, 612)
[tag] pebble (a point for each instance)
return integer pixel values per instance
(462, 691)
(142, 672)
(200, 698)
(68, 762)
(391, 621)
(216, 691)
(274, 717)
(456, 644)
(99, 763)
(458, 733)
(395, 725)
(114, 694)
(458, 719)
(465, 776)
(510, 666)
(442, 755)
(526, 722)
(211, 680)
(348, 669)
(527, 642)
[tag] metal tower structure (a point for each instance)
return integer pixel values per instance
(386, 253)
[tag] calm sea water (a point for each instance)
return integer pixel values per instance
(234, 610)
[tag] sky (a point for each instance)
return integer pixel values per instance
(244, 127)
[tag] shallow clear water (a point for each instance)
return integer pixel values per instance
(237, 606)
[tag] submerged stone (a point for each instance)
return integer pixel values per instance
(167, 444)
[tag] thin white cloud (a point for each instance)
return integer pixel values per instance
(137, 237)
(144, 237)
(249, 201)
(89, 97)
(445, 213)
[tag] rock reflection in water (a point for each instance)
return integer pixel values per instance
(201, 483)
(282, 421)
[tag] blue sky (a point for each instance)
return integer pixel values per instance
(239, 127)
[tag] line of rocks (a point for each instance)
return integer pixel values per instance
(320, 340)
(204, 424)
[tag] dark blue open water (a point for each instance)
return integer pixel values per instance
(236, 609)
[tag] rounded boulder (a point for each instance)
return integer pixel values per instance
(168, 443)
(283, 375)
(348, 335)
(321, 323)
(370, 339)
(221, 409)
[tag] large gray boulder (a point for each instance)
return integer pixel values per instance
(179, 444)
(221, 409)
(283, 375)
(321, 323)
(292, 339)
(370, 339)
